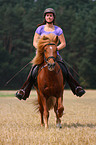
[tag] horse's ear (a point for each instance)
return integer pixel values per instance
(56, 39)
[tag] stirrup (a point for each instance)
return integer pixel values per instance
(20, 94)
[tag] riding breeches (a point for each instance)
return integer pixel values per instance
(67, 75)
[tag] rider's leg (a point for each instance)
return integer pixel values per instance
(24, 92)
(74, 85)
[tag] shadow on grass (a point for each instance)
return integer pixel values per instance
(76, 125)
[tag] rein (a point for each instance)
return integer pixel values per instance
(16, 74)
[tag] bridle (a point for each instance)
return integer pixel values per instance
(50, 66)
(46, 60)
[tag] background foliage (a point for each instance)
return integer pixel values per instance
(18, 22)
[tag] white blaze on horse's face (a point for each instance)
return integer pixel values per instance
(51, 50)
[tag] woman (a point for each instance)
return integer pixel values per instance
(43, 29)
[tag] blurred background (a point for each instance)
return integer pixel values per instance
(18, 22)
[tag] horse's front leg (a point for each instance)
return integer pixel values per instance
(58, 120)
(45, 112)
(59, 110)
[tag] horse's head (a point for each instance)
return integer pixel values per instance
(47, 51)
(50, 54)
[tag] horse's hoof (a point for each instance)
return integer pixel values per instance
(46, 127)
(58, 125)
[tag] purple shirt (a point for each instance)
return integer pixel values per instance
(40, 30)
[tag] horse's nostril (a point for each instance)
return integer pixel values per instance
(49, 64)
(53, 64)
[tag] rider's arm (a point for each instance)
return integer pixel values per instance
(62, 42)
(35, 40)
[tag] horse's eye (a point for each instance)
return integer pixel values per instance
(44, 50)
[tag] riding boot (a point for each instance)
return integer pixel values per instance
(74, 85)
(24, 92)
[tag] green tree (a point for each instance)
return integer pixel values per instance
(18, 22)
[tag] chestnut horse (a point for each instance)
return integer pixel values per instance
(50, 83)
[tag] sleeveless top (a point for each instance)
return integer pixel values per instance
(58, 31)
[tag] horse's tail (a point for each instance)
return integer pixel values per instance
(51, 102)
(35, 104)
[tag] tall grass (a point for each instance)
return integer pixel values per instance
(20, 124)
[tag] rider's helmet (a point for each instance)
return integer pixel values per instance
(49, 10)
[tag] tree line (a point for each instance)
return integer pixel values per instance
(18, 22)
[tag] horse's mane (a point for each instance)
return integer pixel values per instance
(44, 40)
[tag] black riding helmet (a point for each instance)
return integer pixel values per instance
(49, 10)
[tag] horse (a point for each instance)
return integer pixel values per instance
(50, 83)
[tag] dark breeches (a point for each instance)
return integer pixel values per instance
(67, 75)
(64, 69)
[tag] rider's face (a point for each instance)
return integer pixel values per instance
(49, 17)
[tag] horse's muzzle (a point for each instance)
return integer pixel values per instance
(51, 66)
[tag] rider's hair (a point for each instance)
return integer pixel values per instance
(44, 22)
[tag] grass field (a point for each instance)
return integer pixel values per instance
(20, 124)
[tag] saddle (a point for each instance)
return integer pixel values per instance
(34, 74)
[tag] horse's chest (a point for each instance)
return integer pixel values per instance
(50, 84)
(51, 91)
(52, 88)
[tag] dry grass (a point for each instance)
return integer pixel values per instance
(20, 124)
